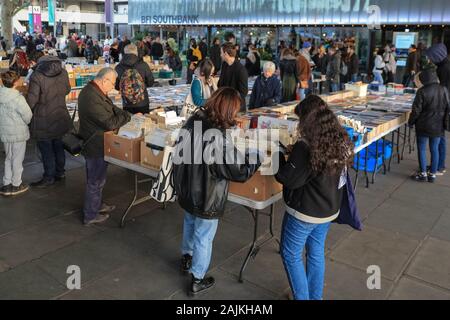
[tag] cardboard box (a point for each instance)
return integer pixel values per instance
(121, 148)
(150, 157)
(4, 64)
(258, 188)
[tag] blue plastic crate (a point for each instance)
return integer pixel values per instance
(387, 149)
(373, 163)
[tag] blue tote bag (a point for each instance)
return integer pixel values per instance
(349, 212)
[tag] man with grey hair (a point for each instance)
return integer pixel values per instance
(267, 88)
(97, 115)
(131, 60)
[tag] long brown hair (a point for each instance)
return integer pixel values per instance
(330, 146)
(222, 108)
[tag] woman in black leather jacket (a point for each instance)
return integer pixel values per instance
(202, 184)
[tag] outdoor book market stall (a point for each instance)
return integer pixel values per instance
(141, 145)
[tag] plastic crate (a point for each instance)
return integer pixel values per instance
(387, 149)
(166, 74)
(373, 163)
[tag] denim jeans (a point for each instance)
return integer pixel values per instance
(442, 153)
(334, 87)
(301, 93)
(53, 158)
(354, 77)
(296, 234)
(198, 236)
(378, 76)
(95, 181)
(422, 153)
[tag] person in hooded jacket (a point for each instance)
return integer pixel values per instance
(288, 75)
(15, 115)
(49, 85)
(131, 60)
(202, 183)
(438, 54)
(429, 112)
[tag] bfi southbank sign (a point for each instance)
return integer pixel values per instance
(158, 19)
(287, 12)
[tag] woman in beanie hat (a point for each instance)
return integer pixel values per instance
(438, 55)
(429, 111)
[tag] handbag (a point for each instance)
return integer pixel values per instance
(73, 143)
(447, 111)
(349, 213)
(163, 189)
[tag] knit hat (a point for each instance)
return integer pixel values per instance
(428, 76)
(437, 53)
(306, 45)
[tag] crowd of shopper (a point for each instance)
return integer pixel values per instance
(313, 171)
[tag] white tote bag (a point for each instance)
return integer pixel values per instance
(163, 189)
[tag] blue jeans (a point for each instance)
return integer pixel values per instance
(95, 179)
(53, 158)
(378, 77)
(334, 87)
(295, 235)
(354, 77)
(422, 153)
(301, 93)
(198, 236)
(442, 153)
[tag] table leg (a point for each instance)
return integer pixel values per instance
(122, 221)
(392, 153)
(376, 163)
(253, 246)
(404, 141)
(384, 155)
(357, 171)
(398, 145)
(365, 167)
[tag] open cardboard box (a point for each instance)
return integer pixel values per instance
(121, 148)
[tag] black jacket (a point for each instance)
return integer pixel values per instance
(202, 189)
(174, 63)
(430, 107)
(353, 65)
(443, 72)
(122, 45)
(216, 59)
(253, 69)
(97, 115)
(130, 61)
(266, 92)
(321, 63)
(203, 49)
(49, 85)
(157, 50)
(288, 67)
(313, 195)
(236, 77)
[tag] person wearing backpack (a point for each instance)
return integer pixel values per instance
(134, 77)
(194, 55)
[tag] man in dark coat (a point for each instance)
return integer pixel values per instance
(438, 54)
(131, 60)
(97, 115)
(233, 73)
(214, 54)
(203, 48)
(267, 88)
(125, 41)
(49, 85)
(157, 49)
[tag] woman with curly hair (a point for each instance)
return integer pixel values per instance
(313, 179)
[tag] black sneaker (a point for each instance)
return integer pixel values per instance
(100, 218)
(6, 190)
(431, 178)
(20, 189)
(60, 178)
(420, 176)
(42, 184)
(201, 285)
(186, 263)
